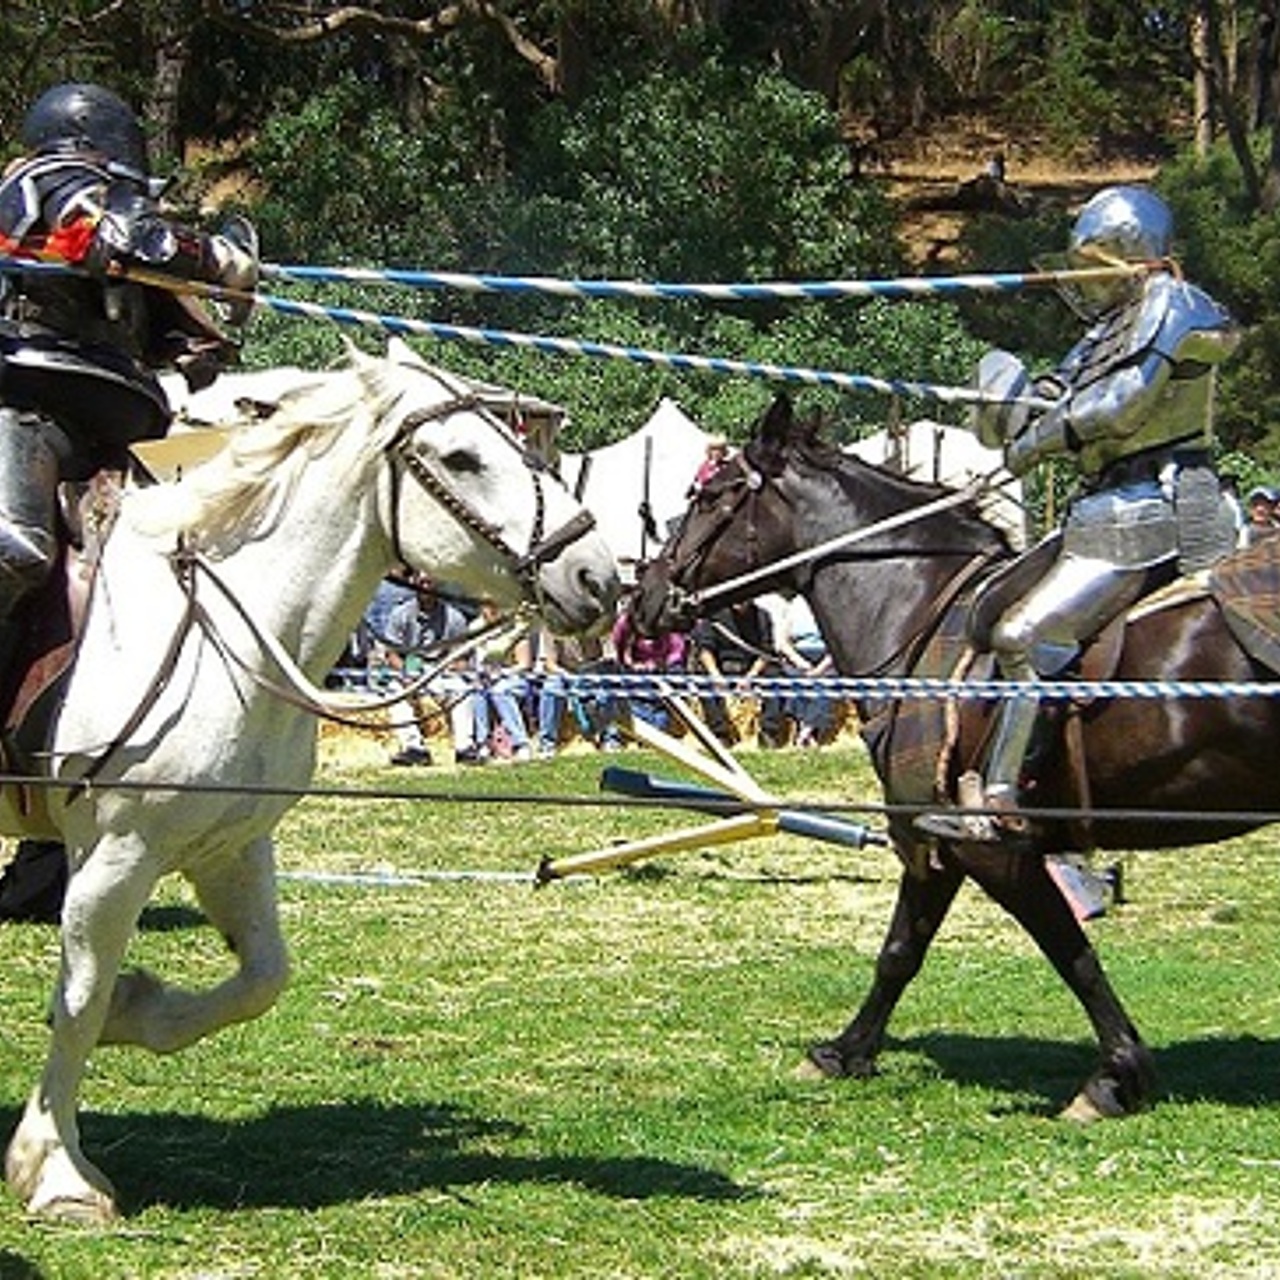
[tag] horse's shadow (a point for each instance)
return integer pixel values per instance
(13, 1266)
(1237, 1071)
(306, 1157)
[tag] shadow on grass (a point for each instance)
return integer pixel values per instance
(1237, 1071)
(13, 1266)
(170, 919)
(310, 1156)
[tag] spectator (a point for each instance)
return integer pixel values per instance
(737, 642)
(503, 667)
(717, 455)
(1261, 508)
(1230, 488)
(366, 651)
(804, 653)
(595, 710)
(555, 659)
(415, 634)
(647, 655)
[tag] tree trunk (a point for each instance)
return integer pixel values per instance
(1268, 62)
(1203, 81)
(161, 112)
(1226, 107)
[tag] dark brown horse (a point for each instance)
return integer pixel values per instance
(896, 604)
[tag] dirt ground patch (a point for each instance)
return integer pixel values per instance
(933, 177)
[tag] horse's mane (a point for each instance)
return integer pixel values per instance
(239, 493)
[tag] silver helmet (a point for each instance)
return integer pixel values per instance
(1119, 224)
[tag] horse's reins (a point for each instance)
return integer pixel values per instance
(299, 691)
(698, 599)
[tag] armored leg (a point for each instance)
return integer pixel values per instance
(1037, 637)
(31, 450)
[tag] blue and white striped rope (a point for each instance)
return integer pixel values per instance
(635, 355)
(906, 687)
(895, 289)
(561, 346)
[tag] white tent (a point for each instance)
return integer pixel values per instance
(951, 456)
(655, 463)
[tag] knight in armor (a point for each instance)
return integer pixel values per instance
(1132, 404)
(79, 350)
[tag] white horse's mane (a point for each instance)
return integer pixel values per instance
(239, 493)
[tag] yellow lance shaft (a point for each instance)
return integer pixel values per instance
(742, 826)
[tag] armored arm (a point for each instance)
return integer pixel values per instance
(1140, 379)
(132, 231)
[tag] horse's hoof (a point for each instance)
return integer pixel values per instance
(826, 1061)
(1082, 1110)
(829, 1063)
(93, 1209)
(808, 1071)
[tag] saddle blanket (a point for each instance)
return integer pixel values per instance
(1246, 586)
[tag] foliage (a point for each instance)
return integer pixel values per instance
(1036, 324)
(1233, 252)
(1099, 75)
(678, 142)
(645, 180)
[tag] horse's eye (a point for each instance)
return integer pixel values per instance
(462, 461)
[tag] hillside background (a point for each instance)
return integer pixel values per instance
(703, 140)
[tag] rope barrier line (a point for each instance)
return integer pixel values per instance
(897, 288)
(554, 800)
(875, 687)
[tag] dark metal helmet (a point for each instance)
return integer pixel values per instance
(77, 118)
(1119, 224)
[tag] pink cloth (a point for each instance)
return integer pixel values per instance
(648, 653)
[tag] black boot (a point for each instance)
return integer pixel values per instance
(34, 884)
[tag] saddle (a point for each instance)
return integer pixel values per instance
(46, 624)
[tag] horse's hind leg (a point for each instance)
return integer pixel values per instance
(238, 895)
(923, 903)
(1124, 1079)
(44, 1165)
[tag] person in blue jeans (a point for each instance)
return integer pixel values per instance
(551, 690)
(503, 684)
(804, 653)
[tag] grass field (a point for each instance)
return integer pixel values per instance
(469, 1078)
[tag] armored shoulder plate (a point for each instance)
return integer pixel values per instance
(1194, 328)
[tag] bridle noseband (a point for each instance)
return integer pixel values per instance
(543, 548)
(728, 497)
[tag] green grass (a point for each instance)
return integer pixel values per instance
(474, 1079)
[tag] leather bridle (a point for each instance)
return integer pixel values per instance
(728, 497)
(543, 547)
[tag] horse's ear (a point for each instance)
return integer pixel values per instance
(775, 426)
(356, 358)
(400, 352)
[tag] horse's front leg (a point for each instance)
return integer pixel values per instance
(1124, 1079)
(44, 1164)
(238, 894)
(923, 903)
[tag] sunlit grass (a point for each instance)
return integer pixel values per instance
(470, 1077)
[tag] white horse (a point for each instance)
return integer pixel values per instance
(284, 535)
